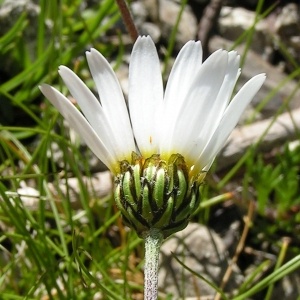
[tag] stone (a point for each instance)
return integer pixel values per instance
(288, 287)
(99, 185)
(284, 128)
(287, 32)
(11, 11)
(166, 15)
(287, 22)
(233, 22)
(203, 251)
(255, 64)
(139, 13)
(57, 153)
(151, 29)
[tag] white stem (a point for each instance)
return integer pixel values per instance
(153, 241)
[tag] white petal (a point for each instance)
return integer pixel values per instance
(230, 119)
(183, 72)
(216, 111)
(197, 104)
(94, 113)
(111, 98)
(145, 95)
(80, 125)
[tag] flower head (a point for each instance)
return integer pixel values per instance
(161, 145)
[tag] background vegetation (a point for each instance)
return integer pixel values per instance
(51, 250)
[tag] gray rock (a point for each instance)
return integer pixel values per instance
(280, 31)
(233, 22)
(288, 21)
(201, 250)
(151, 29)
(10, 12)
(99, 186)
(287, 30)
(57, 153)
(166, 15)
(288, 287)
(140, 16)
(139, 13)
(254, 65)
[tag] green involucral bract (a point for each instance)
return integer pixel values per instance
(153, 193)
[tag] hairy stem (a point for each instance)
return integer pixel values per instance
(153, 241)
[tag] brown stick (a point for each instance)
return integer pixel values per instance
(126, 16)
(207, 23)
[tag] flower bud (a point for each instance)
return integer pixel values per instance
(154, 193)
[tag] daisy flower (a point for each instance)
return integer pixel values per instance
(160, 145)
